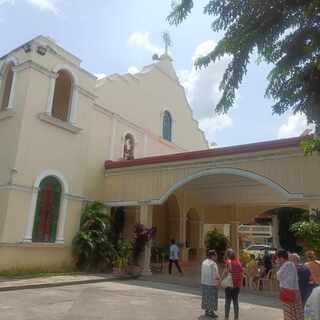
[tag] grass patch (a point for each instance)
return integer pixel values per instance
(37, 273)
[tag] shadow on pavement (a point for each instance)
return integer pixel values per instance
(244, 297)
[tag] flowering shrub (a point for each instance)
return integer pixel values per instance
(142, 235)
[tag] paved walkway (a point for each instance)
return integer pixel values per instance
(52, 281)
(122, 300)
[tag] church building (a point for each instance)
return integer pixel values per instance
(129, 141)
(58, 125)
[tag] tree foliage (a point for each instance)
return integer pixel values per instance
(309, 231)
(310, 146)
(217, 241)
(287, 217)
(285, 33)
(94, 245)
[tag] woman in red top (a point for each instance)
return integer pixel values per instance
(232, 266)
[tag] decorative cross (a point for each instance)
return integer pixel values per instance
(167, 41)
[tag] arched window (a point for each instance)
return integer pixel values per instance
(62, 98)
(47, 210)
(6, 86)
(128, 148)
(167, 126)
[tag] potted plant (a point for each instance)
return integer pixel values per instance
(121, 261)
(142, 236)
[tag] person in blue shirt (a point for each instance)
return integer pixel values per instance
(174, 257)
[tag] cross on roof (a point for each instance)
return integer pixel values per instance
(167, 41)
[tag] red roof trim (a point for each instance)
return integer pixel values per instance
(209, 153)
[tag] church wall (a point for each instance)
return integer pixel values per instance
(33, 146)
(161, 222)
(10, 128)
(4, 198)
(34, 257)
(99, 140)
(146, 97)
(43, 146)
(18, 210)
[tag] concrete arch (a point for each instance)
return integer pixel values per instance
(229, 171)
(65, 67)
(10, 60)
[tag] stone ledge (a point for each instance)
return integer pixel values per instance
(33, 245)
(57, 281)
(59, 123)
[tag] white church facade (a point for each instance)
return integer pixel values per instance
(58, 125)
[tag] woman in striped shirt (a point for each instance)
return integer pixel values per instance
(234, 268)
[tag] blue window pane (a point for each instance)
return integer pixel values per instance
(167, 126)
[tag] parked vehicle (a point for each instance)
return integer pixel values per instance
(258, 249)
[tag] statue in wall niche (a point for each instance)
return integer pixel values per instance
(128, 149)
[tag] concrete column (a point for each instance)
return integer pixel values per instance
(52, 85)
(74, 105)
(146, 212)
(202, 250)
(275, 231)
(12, 91)
(234, 235)
(184, 251)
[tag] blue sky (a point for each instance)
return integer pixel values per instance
(114, 36)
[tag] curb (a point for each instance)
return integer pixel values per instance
(64, 283)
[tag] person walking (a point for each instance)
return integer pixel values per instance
(232, 275)
(304, 276)
(209, 282)
(289, 287)
(174, 257)
(314, 266)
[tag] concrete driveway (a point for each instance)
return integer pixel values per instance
(125, 300)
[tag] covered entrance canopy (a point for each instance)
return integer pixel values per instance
(184, 192)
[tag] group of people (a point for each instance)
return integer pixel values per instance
(299, 283)
(230, 280)
(299, 286)
(259, 268)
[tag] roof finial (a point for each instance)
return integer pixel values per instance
(167, 41)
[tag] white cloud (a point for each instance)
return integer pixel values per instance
(48, 5)
(133, 70)
(45, 5)
(142, 40)
(211, 125)
(295, 126)
(202, 90)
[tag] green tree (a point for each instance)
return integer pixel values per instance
(94, 246)
(285, 33)
(309, 231)
(217, 241)
(287, 217)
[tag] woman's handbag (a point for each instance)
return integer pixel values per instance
(227, 282)
(287, 295)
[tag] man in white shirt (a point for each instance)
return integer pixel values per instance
(210, 279)
(174, 257)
